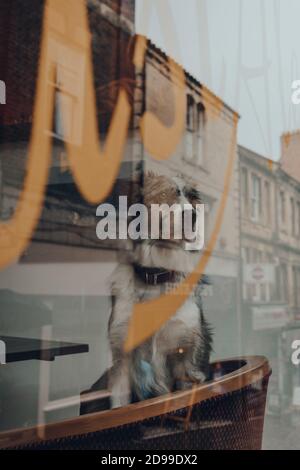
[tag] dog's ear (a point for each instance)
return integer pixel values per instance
(149, 174)
(148, 179)
(139, 181)
(193, 195)
(139, 174)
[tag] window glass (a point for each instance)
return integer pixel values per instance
(149, 226)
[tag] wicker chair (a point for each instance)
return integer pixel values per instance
(226, 412)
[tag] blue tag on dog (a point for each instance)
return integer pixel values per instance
(147, 379)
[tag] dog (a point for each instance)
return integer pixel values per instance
(178, 354)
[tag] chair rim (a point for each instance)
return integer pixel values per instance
(256, 368)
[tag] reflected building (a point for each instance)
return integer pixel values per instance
(270, 260)
(202, 157)
(270, 236)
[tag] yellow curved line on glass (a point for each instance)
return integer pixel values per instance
(94, 170)
(159, 140)
(15, 234)
(148, 317)
(65, 23)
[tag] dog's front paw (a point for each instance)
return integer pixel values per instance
(120, 393)
(119, 400)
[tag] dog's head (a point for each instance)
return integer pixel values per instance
(173, 202)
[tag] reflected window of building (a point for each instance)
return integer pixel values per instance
(271, 286)
(62, 121)
(267, 202)
(282, 282)
(296, 285)
(293, 216)
(255, 198)
(281, 207)
(2, 92)
(190, 128)
(245, 258)
(65, 106)
(244, 190)
(194, 148)
(200, 134)
(298, 219)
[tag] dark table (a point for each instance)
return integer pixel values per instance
(25, 349)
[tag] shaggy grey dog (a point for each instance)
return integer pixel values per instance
(178, 354)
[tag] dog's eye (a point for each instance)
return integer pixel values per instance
(163, 194)
(178, 192)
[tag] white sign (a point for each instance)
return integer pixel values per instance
(269, 316)
(257, 273)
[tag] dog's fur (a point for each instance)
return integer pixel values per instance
(177, 354)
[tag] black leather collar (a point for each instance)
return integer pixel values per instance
(154, 276)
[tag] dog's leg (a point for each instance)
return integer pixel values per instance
(122, 305)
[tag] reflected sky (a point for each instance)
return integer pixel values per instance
(246, 52)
